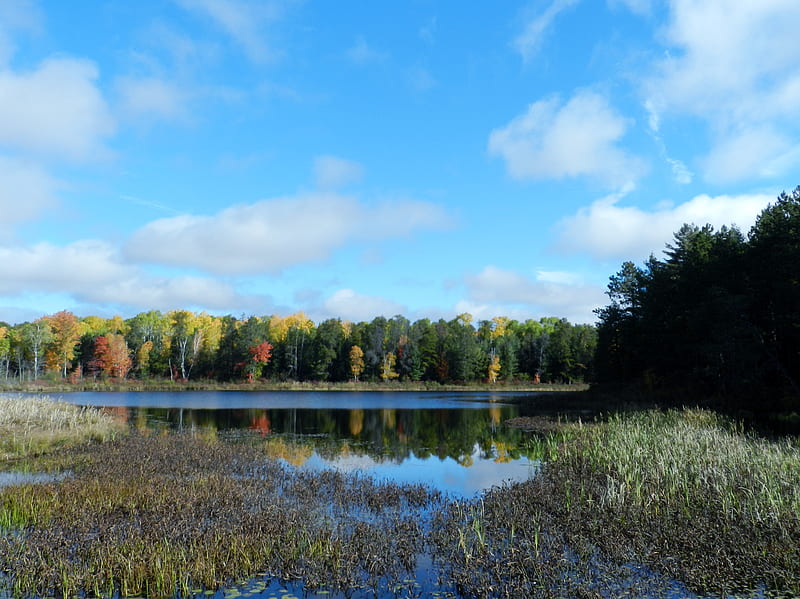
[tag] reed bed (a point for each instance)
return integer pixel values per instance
(665, 461)
(31, 425)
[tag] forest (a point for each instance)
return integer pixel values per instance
(181, 345)
(718, 316)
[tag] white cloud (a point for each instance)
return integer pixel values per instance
(737, 66)
(331, 172)
(151, 97)
(26, 191)
(270, 235)
(16, 16)
(578, 138)
(754, 151)
(530, 40)
(608, 231)
(361, 53)
(92, 271)
(55, 109)
(546, 295)
(356, 307)
(244, 21)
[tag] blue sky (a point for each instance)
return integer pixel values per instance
(354, 159)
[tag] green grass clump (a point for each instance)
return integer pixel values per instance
(34, 425)
(668, 460)
(641, 504)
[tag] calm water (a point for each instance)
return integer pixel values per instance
(454, 441)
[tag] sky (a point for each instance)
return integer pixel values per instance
(355, 159)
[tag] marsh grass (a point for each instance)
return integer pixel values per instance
(33, 425)
(638, 505)
(666, 461)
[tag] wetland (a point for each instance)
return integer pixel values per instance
(401, 495)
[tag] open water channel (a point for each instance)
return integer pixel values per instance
(456, 442)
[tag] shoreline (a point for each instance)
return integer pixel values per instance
(42, 386)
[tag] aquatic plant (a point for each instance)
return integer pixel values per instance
(637, 505)
(30, 425)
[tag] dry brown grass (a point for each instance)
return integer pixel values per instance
(34, 425)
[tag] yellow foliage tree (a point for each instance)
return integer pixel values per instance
(356, 361)
(66, 331)
(387, 368)
(500, 326)
(494, 368)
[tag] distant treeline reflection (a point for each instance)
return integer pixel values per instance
(382, 434)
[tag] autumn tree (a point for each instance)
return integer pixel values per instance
(259, 356)
(66, 331)
(356, 362)
(111, 356)
(494, 368)
(388, 372)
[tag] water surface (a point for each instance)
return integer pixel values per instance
(455, 441)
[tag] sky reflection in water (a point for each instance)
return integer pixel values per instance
(445, 474)
(453, 441)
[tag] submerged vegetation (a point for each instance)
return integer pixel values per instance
(639, 505)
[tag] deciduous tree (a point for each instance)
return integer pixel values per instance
(356, 362)
(66, 331)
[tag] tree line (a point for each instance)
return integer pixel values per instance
(719, 315)
(184, 345)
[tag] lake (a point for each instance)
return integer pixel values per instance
(455, 441)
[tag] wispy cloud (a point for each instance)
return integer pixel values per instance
(16, 16)
(530, 40)
(94, 272)
(26, 191)
(152, 97)
(245, 21)
(362, 53)
(357, 307)
(332, 172)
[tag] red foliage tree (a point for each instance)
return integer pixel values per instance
(111, 356)
(259, 356)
